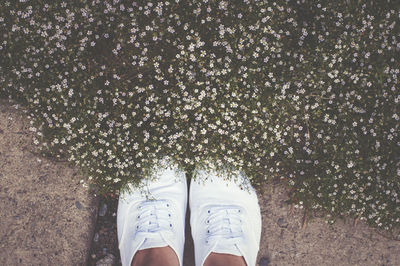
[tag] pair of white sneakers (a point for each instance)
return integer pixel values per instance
(224, 217)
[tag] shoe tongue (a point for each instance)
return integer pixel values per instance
(154, 242)
(227, 249)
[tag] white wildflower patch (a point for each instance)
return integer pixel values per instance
(296, 90)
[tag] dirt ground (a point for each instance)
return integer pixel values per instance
(284, 240)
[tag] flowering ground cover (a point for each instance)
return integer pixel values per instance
(301, 91)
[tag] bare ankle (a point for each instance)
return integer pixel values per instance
(155, 256)
(219, 259)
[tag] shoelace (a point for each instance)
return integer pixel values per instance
(154, 216)
(224, 222)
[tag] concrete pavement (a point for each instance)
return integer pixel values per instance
(47, 217)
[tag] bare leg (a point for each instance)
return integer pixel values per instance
(155, 256)
(219, 259)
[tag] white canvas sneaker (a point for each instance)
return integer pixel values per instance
(157, 222)
(224, 218)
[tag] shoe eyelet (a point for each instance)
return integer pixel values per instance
(137, 226)
(169, 215)
(167, 205)
(138, 216)
(170, 225)
(208, 231)
(208, 221)
(209, 211)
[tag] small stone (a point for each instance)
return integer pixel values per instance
(96, 237)
(103, 210)
(108, 260)
(263, 262)
(93, 256)
(78, 205)
(282, 223)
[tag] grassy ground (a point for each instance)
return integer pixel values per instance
(303, 92)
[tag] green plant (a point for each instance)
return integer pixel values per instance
(302, 91)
